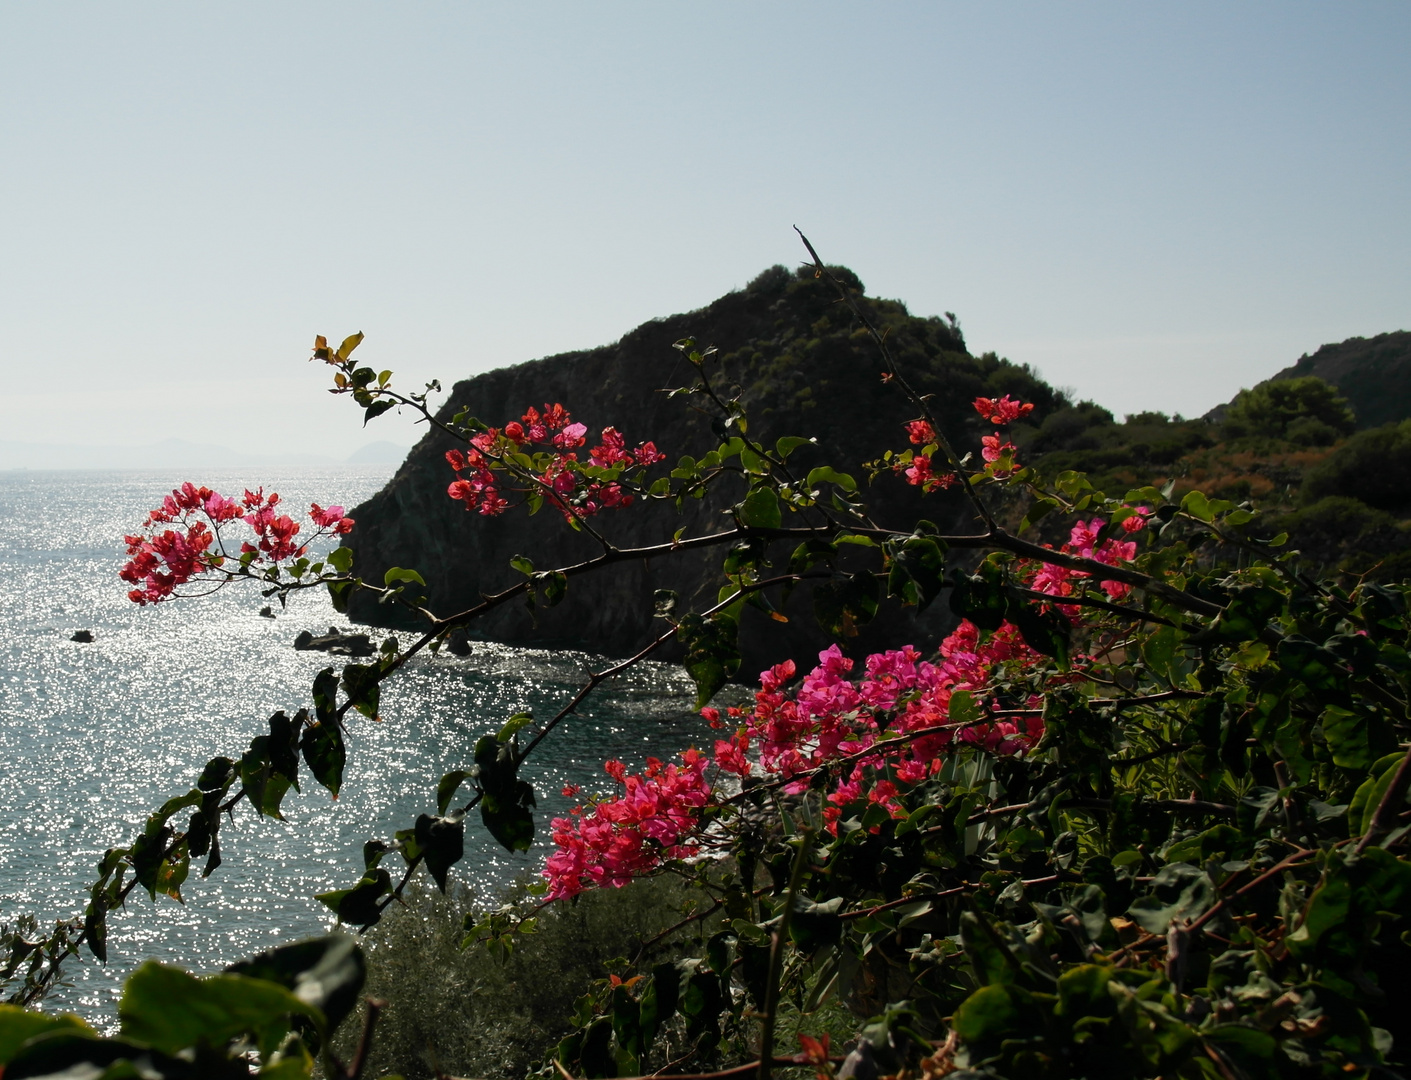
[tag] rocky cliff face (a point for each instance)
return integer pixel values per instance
(804, 368)
(1374, 374)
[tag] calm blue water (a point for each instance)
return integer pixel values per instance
(93, 737)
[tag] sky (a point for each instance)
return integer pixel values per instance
(1155, 205)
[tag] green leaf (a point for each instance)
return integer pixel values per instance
(981, 598)
(1197, 506)
(515, 723)
(1348, 737)
(1040, 510)
(1179, 891)
(325, 754)
(447, 788)
(760, 510)
(1045, 632)
(18, 1025)
(325, 695)
(963, 709)
(219, 772)
(988, 1014)
(340, 592)
(361, 686)
(555, 584)
(1246, 615)
(1369, 795)
(922, 560)
(985, 949)
(1243, 1040)
(61, 1055)
(358, 906)
(506, 802)
(664, 603)
(1316, 667)
(326, 972)
(712, 652)
(523, 564)
(842, 605)
(442, 843)
(659, 1000)
(1082, 990)
(397, 573)
(171, 1010)
(829, 474)
(787, 444)
(509, 815)
(376, 409)
(627, 1027)
(351, 342)
(265, 784)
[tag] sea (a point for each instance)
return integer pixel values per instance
(95, 736)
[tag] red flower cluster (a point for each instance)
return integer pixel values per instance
(994, 450)
(1084, 541)
(1003, 411)
(162, 560)
(921, 432)
(919, 470)
(790, 734)
(999, 454)
(561, 479)
(617, 839)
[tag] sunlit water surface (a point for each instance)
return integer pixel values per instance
(95, 736)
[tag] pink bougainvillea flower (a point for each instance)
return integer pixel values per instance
(1002, 410)
(921, 432)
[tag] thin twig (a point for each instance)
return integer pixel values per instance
(776, 956)
(374, 1009)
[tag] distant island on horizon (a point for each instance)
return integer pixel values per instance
(177, 453)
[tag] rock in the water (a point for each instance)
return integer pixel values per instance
(83, 636)
(458, 643)
(267, 612)
(336, 643)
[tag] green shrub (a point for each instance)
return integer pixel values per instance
(1272, 409)
(471, 1012)
(1339, 532)
(1373, 466)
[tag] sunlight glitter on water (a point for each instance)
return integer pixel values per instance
(93, 737)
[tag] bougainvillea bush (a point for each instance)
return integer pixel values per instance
(1141, 812)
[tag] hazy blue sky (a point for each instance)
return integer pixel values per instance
(1153, 204)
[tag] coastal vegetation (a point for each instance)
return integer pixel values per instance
(1135, 805)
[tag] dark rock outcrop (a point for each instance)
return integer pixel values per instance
(83, 637)
(802, 366)
(335, 642)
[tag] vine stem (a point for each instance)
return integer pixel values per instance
(776, 957)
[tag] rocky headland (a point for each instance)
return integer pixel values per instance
(802, 366)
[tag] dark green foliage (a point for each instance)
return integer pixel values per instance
(281, 1004)
(1304, 410)
(1339, 531)
(480, 1011)
(1146, 447)
(1373, 466)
